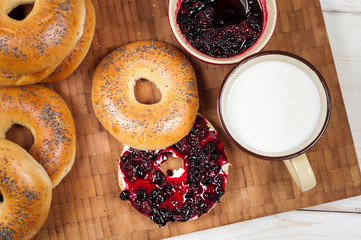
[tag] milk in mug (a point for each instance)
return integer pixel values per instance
(271, 107)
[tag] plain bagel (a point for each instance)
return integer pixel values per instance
(47, 116)
(26, 190)
(138, 125)
(43, 38)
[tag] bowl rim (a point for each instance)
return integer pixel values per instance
(255, 48)
(328, 109)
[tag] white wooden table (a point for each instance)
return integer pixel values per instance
(337, 220)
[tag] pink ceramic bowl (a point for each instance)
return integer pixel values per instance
(269, 22)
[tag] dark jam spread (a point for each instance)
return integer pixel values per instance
(176, 198)
(220, 28)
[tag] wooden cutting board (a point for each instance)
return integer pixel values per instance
(86, 204)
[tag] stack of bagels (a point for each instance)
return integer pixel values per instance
(27, 178)
(46, 45)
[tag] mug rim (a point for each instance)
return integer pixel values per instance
(328, 107)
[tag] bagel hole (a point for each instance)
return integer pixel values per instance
(21, 12)
(172, 163)
(21, 136)
(147, 92)
(1, 198)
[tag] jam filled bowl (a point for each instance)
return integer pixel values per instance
(222, 31)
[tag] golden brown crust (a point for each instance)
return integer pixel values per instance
(142, 126)
(77, 55)
(43, 38)
(47, 116)
(17, 79)
(27, 191)
(66, 67)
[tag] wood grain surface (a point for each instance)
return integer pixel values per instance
(86, 204)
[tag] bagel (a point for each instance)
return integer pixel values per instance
(77, 55)
(138, 125)
(66, 67)
(43, 38)
(186, 193)
(47, 116)
(26, 191)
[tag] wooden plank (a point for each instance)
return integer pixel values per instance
(349, 6)
(295, 225)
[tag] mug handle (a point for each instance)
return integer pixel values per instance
(301, 172)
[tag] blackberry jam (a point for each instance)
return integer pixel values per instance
(220, 28)
(189, 193)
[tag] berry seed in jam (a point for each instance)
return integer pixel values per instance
(220, 28)
(183, 195)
